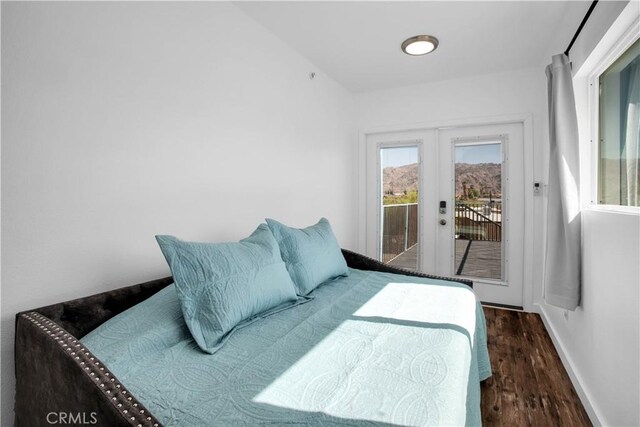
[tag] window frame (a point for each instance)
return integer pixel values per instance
(619, 47)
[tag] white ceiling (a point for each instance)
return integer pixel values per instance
(358, 43)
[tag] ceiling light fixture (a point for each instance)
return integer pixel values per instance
(419, 45)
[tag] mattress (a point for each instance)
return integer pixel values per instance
(368, 349)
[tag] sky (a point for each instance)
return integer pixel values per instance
(480, 153)
(399, 156)
(484, 153)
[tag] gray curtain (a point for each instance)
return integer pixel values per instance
(563, 254)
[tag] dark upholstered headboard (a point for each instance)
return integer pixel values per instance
(362, 262)
(82, 315)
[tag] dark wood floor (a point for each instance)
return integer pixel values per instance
(529, 386)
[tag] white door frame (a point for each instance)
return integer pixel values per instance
(510, 288)
(527, 124)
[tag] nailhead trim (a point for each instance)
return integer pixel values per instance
(131, 409)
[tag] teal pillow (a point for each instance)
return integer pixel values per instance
(223, 285)
(312, 254)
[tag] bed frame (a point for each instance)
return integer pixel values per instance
(58, 380)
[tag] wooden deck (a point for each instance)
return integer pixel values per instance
(483, 259)
(407, 260)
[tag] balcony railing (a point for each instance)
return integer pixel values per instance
(473, 221)
(400, 229)
(479, 221)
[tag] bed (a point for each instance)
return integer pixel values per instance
(382, 346)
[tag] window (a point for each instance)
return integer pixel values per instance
(619, 130)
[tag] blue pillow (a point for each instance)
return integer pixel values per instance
(223, 285)
(312, 254)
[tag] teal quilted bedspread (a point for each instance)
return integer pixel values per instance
(372, 348)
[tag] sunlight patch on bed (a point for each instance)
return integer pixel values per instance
(401, 301)
(391, 340)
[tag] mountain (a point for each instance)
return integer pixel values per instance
(399, 179)
(483, 177)
(486, 178)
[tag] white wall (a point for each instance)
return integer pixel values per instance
(491, 95)
(124, 120)
(600, 341)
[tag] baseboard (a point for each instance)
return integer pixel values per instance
(596, 420)
(501, 306)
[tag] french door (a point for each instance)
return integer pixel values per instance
(450, 202)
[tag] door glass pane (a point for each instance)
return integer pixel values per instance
(478, 210)
(399, 210)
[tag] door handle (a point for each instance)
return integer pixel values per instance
(443, 222)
